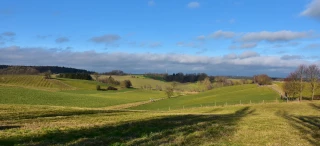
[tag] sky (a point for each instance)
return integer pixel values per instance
(218, 37)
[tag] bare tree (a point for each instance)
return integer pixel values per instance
(313, 73)
(169, 92)
(96, 76)
(47, 74)
(301, 73)
(291, 85)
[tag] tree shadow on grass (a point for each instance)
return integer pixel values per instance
(316, 107)
(48, 114)
(8, 127)
(309, 126)
(170, 130)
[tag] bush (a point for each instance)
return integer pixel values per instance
(98, 87)
(126, 84)
(262, 79)
(111, 88)
(110, 80)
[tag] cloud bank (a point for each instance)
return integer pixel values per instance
(313, 10)
(246, 63)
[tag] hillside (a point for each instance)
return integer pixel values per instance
(218, 96)
(35, 90)
(33, 81)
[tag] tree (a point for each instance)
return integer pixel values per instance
(47, 75)
(126, 84)
(262, 79)
(291, 85)
(169, 92)
(96, 76)
(301, 73)
(174, 85)
(207, 83)
(98, 87)
(313, 73)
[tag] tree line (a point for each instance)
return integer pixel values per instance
(81, 76)
(115, 72)
(18, 69)
(295, 83)
(179, 77)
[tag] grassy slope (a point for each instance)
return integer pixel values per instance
(17, 95)
(218, 96)
(33, 81)
(263, 124)
(83, 84)
(141, 81)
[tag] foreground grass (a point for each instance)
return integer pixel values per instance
(76, 98)
(264, 124)
(218, 96)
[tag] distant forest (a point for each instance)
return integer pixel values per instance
(179, 77)
(14, 69)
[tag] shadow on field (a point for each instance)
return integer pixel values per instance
(8, 127)
(309, 126)
(316, 107)
(48, 114)
(173, 130)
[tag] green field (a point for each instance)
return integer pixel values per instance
(263, 124)
(140, 81)
(34, 90)
(34, 111)
(33, 81)
(17, 95)
(220, 96)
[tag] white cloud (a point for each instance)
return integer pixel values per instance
(201, 37)
(291, 57)
(246, 63)
(8, 34)
(231, 21)
(193, 5)
(222, 34)
(107, 38)
(155, 44)
(190, 45)
(248, 54)
(312, 46)
(313, 10)
(248, 45)
(62, 40)
(151, 3)
(230, 56)
(283, 35)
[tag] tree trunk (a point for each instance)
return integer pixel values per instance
(312, 93)
(300, 99)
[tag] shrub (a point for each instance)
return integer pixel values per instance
(111, 88)
(98, 87)
(126, 84)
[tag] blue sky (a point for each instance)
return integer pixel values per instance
(221, 37)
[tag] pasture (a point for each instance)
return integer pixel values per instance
(263, 124)
(243, 94)
(71, 112)
(34, 90)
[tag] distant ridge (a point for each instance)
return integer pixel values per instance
(20, 69)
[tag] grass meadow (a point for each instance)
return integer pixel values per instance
(260, 124)
(34, 111)
(240, 94)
